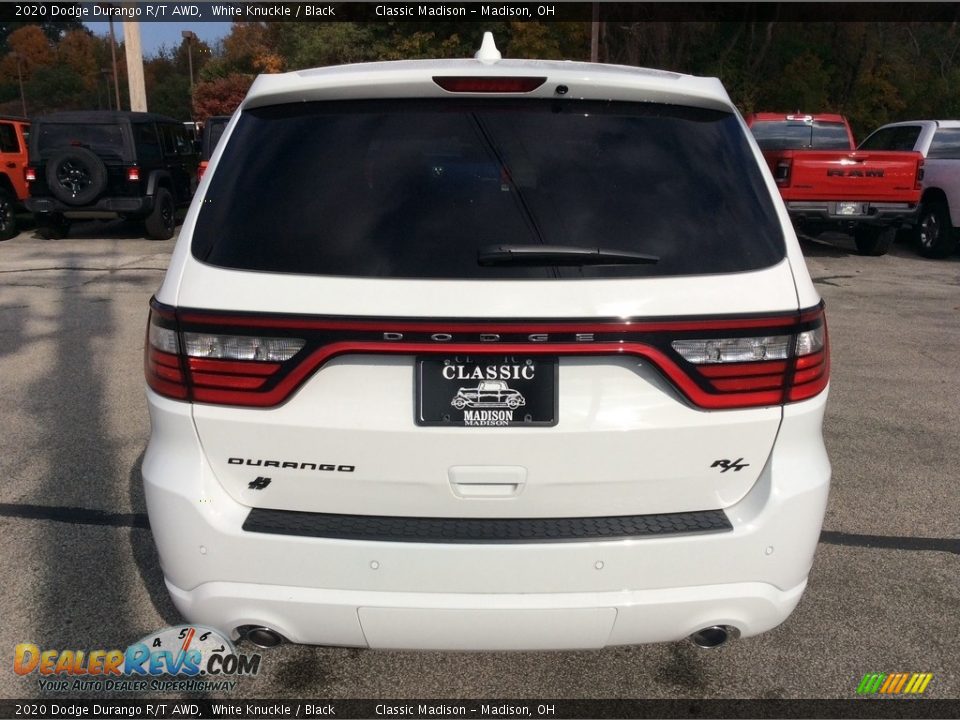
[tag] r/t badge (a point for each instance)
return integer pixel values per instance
(735, 465)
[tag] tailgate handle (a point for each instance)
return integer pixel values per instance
(487, 481)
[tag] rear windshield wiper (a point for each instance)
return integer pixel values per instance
(489, 255)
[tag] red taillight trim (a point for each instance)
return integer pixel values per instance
(743, 369)
(233, 382)
(164, 374)
(490, 84)
(709, 387)
(238, 367)
(754, 382)
(684, 382)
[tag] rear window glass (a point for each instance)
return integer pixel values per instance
(8, 139)
(901, 137)
(97, 137)
(799, 135)
(945, 144)
(414, 189)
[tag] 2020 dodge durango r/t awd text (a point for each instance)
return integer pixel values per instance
(603, 241)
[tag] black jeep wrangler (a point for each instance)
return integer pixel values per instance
(107, 164)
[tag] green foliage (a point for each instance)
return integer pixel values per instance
(57, 87)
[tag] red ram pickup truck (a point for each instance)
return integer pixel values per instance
(829, 185)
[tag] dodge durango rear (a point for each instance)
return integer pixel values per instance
(486, 354)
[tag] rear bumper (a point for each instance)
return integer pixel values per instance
(485, 596)
(118, 205)
(448, 621)
(827, 213)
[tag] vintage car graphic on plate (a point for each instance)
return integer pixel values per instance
(488, 394)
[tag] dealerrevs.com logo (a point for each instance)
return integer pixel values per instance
(197, 658)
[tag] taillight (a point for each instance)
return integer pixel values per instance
(257, 360)
(162, 362)
(220, 368)
(201, 169)
(489, 84)
(918, 183)
(765, 369)
(782, 172)
(29, 174)
(133, 174)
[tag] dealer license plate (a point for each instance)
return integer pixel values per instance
(850, 208)
(486, 391)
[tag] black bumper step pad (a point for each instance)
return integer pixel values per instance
(482, 530)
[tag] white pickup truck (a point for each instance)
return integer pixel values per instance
(935, 231)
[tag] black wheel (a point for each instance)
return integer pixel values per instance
(873, 240)
(76, 176)
(52, 226)
(162, 221)
(934, 232)
(8, 215)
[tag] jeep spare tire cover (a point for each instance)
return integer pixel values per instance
(76, 176)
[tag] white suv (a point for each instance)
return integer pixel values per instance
(370, 239)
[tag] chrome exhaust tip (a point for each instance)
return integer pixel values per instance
(710, 637)
(261, 637)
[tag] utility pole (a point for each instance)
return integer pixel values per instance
(189, 36)
(595, 34)
(23, 98)
(106, 77)
(131, 44)
(113, 54)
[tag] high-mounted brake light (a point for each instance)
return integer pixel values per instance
(29, 174)
(133, 174)
(469, 84)
(261, 360)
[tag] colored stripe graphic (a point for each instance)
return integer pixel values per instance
(871, 683)
(894, 683)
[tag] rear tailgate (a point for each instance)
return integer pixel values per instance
(856, 175)
(363, 249)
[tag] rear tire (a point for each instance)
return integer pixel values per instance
(934, 232)
(8, 216)
(53, 226)
(161, 222)
(873, 240)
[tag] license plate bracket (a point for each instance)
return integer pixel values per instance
(851, 208)
(486, 391)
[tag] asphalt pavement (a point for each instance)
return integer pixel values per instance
(79, 569)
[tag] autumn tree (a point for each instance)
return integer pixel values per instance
(220, 96)
(29, 48)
